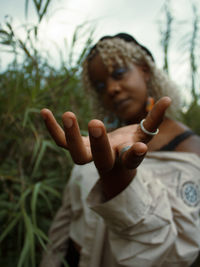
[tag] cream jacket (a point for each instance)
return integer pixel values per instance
(154, 222)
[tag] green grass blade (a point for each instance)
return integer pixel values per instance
(47, 200)
(31, 237)
(51, 190)
(44, 146)
(9, 228)
(24, 253)
(35, 194)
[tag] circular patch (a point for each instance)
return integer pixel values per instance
(190, 193)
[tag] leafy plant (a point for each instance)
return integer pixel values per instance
(30, 163)
(166, 32)
(188, 44)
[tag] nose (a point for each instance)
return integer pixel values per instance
(113, 87)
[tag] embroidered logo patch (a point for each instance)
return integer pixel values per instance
(190, 193)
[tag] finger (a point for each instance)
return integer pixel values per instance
(78, 146)
(154, 118)
(54, 128)
(132, 157)
(102, 152)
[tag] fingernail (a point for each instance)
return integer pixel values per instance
(96, 132)
(140, 153)
(68, 122)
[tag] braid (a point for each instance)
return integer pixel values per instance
(116, 51)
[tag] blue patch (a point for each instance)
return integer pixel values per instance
(190, 193)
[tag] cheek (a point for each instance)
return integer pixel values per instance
(138, 85)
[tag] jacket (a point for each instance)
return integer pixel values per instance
(154, 222)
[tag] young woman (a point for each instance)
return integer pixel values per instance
(135, 199)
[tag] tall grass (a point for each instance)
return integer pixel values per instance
(184, 36)
(166, 32)
(190, 43)
(30, 163)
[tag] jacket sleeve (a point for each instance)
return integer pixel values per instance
(149, 225)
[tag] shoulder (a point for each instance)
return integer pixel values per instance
(191, 144)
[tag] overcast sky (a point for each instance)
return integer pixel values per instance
(137, 17)
(110, 16)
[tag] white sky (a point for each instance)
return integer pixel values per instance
(137, 17)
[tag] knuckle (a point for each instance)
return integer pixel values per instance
(80, 160)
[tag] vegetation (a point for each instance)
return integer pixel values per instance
(30, 163)
(184, 37)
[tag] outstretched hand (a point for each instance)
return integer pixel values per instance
(104, 148)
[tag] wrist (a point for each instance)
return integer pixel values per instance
(114, 184)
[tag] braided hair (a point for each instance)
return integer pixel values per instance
(123, 50)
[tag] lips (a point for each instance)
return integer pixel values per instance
(121, 104)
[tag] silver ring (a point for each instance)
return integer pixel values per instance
(146, 131)
(124, 149)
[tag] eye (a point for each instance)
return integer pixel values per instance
(119, 72)
(100, 86)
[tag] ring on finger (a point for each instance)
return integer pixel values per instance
(146, 131)
(122, 151)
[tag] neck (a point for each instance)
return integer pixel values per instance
(137, 119)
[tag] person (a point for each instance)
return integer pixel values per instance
(133, 198)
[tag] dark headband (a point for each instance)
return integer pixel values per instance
(127, 38)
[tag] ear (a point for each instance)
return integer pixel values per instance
(150, 103)
(146, 72)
